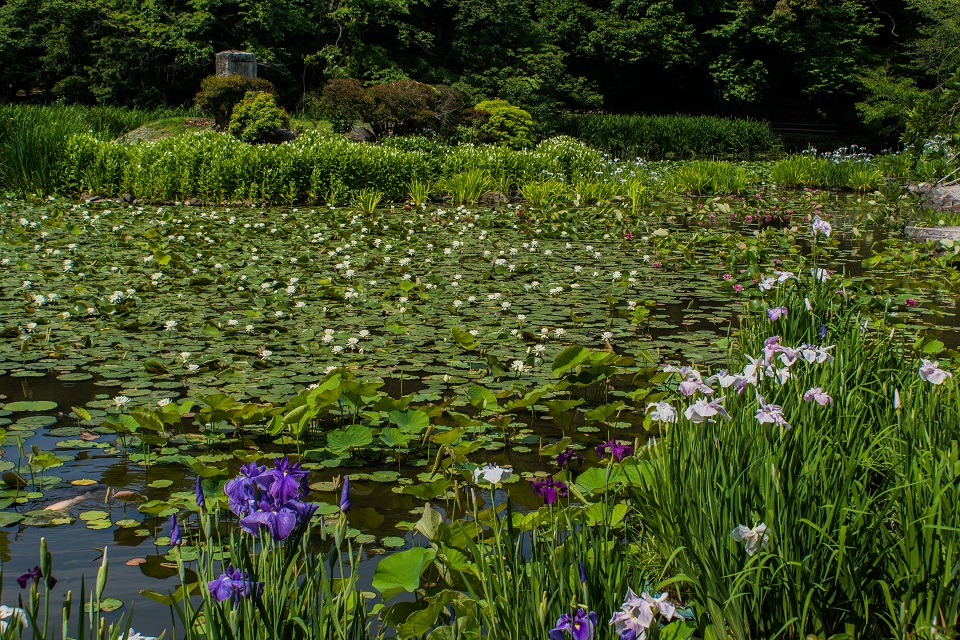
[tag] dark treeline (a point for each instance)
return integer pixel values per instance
(781, 60)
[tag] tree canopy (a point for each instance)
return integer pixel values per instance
(829, 60)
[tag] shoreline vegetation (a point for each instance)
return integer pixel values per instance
(78, 150)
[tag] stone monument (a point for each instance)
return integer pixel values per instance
(236, 63)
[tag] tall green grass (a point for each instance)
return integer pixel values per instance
(33, 139)
(214, 167)
(859, 497)
(818, 172)
(708, 177)
(676, 137)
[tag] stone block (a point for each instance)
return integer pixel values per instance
(236, 63)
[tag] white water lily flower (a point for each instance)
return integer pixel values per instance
(662, 412)
(931, 372)
(133, 635)
(492, 473)
(121, 401)
(752, 539)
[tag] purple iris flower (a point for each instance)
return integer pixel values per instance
(176, 538)
(270, 499)
(285, 482)
(617, 450)
(198, 490)
(564, 458)
(241, 491)
(583, 572)
(345, 495)
(580, 626)
(550, 489)
(280, 521)
(35, 574)
(775, 313)
(235, 585)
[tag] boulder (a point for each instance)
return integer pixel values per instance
(361, 134)
(493, 198)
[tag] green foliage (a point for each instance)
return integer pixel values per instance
(256, 117)
(467, 187)
(33, 139)
(826, 489)
(546, 192)
(219, 95)
(500, 122)
(344, 101)
(708, 177)
(676, 137)
(812, 171)
(313, 168)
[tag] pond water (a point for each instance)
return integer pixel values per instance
(103, 302)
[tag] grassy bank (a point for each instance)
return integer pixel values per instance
(676, 137)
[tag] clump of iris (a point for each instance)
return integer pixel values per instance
(270, 499)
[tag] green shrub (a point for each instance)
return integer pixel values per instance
(499, 122)
(675, 137)
(344, 101)
(219, 95)
(256, 117)
(33, 139)
(314, 168)
(708, 177)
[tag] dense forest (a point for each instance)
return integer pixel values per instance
(847, 63)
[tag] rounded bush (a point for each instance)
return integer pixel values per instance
(219, 95)
(256, 117)
(500, 122)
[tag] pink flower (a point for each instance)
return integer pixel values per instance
(738, 287)
(911, 302)
(816, 394)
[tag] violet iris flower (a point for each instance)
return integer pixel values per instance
(280, 521)
(176, 538)
(580, 626)
(550, 489)
(198, 490)
(241, 491)
(285, 482)
(617, 450)
(35, 574)
(270, 499)
(345, 495)
(821, 226)
(235, 585)
(564, 458)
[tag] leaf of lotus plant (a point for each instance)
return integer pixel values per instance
(569, 358)
(430, 490)
(413, 421)
(351, 437)
(393, 437)
(401, 571)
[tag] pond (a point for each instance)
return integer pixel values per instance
(436, 314)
